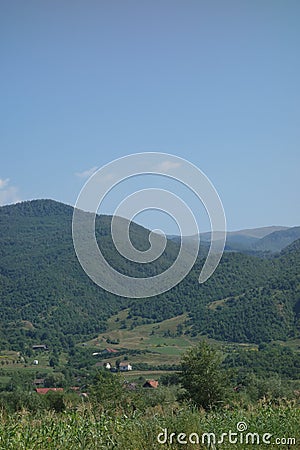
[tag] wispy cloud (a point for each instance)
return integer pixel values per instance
(86, 173)
(8, 194)
(166, 166)
(3, 182)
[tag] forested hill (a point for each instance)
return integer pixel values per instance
(47, 298)
(45, 294)
(294, 247)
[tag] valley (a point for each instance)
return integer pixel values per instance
(66, 345)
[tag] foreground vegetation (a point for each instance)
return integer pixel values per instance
(198, 407)
(88, 427)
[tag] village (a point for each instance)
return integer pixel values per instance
(43, 366)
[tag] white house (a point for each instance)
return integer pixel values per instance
(107, 365)
(35, 362)
(125, 367)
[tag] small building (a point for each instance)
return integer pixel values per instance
(75, 389)
(35, 362)
(44, 391)
(39, 382)
(106, 365)
(125, 367)
(39, 347)
(109, 350)
(151, 384)
(84, 395)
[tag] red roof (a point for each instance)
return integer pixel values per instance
(45, 390)
(111, 350)
(151, 383)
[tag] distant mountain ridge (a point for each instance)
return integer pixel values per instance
(278, 240)
(257, 233)
(266, 239)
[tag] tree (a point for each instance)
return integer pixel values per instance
(54, 361)
(55, 401)
(204, 381)
(107, 389)
(55, 379)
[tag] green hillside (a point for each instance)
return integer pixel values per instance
(47, 298)
(45, 295)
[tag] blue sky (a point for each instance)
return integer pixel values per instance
(215, 82)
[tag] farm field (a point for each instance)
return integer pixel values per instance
(156, 344)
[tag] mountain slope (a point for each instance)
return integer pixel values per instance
(278, 240)
(45, 294)
(266, 239)
(42, 283)
(46, 297)
(262, 312)
(294, 247)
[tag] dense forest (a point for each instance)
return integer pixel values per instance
(47, 298)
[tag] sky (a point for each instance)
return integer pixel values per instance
(214, 82)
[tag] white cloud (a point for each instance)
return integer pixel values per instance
(8, 194)
(3, 182)
(167, 165)
(86, 173)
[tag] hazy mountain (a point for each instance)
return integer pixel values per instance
(292, 248)
(256, 233)
(257, 240)
(276, 241)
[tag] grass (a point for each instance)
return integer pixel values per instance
(148, 338)
(151, 338)
(144, 373)
(167, 350)
(89, 429)
(4, 380)
(131, 338)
